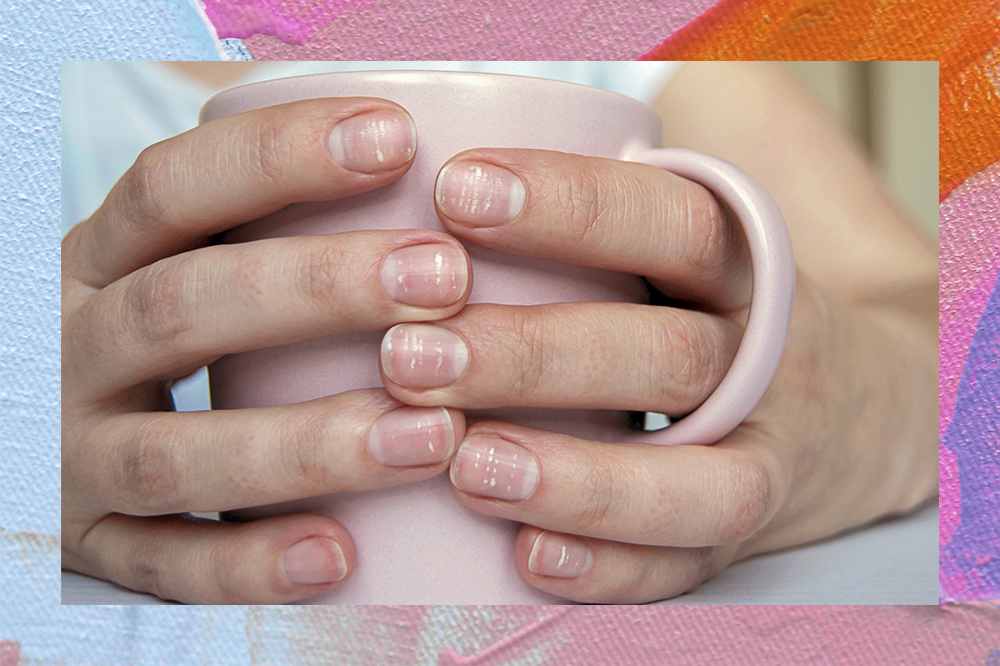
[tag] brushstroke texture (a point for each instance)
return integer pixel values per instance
(969, 267)
(963, 36)
(624, 635)
(969, 263)
(970, 560)
(290, 21)
(35, 37)
(487, 30)
(965, 39)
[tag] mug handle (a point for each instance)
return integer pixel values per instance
(773, 268)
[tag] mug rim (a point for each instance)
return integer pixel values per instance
(231, 96)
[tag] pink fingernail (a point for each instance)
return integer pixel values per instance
(411, 436)
(492, 467)
(421, 356)
(373, 142)
(430, 276)
(313, 561)
(479, 194)
(559, 556)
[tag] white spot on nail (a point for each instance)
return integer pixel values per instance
(377, 134)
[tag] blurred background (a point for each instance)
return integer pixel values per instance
(891, 108)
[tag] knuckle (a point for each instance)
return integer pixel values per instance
(144, 571)
(149, 472)
(708, 238)
(304, 453)
(688, 361)
(533, 360)
(702, 565)
(272, 152)
(606, 497)
(321, 269)
(157, 302)
(228, 579)
(746, 499)
(632, 584)
(582, 198)
(146, 187)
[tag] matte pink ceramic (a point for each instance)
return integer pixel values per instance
(416, 543)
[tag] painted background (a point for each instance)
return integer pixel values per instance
(35, 36)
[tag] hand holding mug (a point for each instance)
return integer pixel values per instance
(844, 434)
(146, 300)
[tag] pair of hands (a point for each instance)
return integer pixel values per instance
(838, 440)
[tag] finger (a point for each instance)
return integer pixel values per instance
(684, 496)
(606, 572)
(235, 169)
(561, 355)
(187, 310)
(154, 464)
(271, 561)
(598, 212)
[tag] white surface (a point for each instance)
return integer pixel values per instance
(894, 562)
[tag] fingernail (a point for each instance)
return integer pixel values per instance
(411, 436)
(313, 561)
(429, 276)
(420, 356)
(559, 556)
(492, 467)
(478, 194)
(373, 142)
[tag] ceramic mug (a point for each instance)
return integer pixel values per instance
(416, 544)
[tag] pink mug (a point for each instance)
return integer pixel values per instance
(416, 543)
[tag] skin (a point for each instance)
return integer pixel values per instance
(844, 435)
(145, 300)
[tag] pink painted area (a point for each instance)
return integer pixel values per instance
(436, 30)
(626, 635)
(292, 21)
(750, 635)
(950, 492)
(970, 260)
(10, 653)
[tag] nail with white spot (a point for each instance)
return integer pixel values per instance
(423, 356)
(375, 141)
(431, 275)
(500, 477)
(411, 436)
(478, 194)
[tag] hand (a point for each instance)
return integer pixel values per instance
(845, 434)
(146, 300)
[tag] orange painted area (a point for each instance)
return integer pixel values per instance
(964, 36)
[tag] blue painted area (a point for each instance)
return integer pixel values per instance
(34, 38)
(973, 553)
